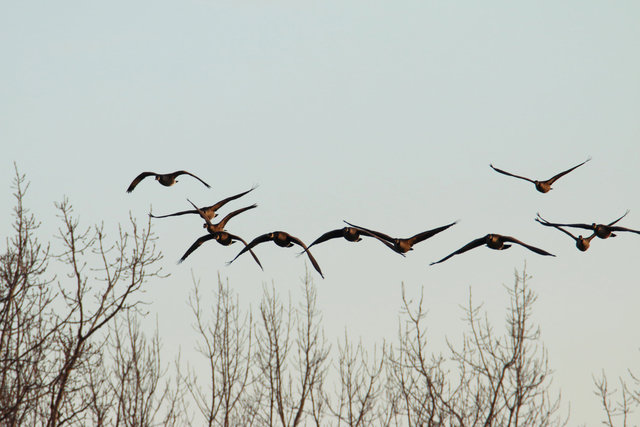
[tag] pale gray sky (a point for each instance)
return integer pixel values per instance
(386, 114)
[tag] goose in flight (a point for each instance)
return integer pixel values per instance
(352, 234)
(399, 245)
(222, 237)
(602, 231)
(493, 241)
(166, 179)
(284, 240)
(582, 243)
(213, 228)
(541, 186)
(208, 211)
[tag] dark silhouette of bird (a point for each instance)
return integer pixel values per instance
(167, 179)
(399, 245)
(222, 237)
(212, 228)
(493, 241)
(603, 231)
(541, 186)
(352, 234)
(282, 239)
(208, 211)
(582, 243)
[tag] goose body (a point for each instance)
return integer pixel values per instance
(284, 240)
(166, 179)
(213, 228)
(401, 245)
(351, 234)
(582, 243)
(494, 241)
(602, 231)
(208, 212)
(541, 186)
(223, 238)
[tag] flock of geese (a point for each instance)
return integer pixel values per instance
(354, 233)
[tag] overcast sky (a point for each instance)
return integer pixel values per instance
(386, 114)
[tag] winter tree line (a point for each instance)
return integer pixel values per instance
(73, 352)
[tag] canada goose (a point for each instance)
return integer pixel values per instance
(212, 228)
(167, 179)
(398, 245)
(352, 234)
(582, 243)
(208, 211)
(222, 237)
(603, 231)
(493, 241)
(541, 186)
(281, 239)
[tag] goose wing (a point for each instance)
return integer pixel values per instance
(552, 180)
(548, 224)
(531, 248)
(426, 234)
(223, 202)
(510, 174)
(196, 245)
(375, 236)
(613, 222)
(178, 173)
(554, 224)
(472, 244)
(372, 232)
(226, 219)
(137, 180)
(333, 234)
(193, 211)
(306, 249)
(260, 239)
(234, 237)
(618, 228)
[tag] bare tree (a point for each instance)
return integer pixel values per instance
(627, 399)
(498, 380)
(28, 321)
(93, 301)
(312, 352)
(510, 377)
(50, 347)
(361, 386)
(417, 386)
(225, 340)
(281, 380)
(143, 394)
(285, 383)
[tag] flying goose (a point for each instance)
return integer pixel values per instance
(541, 186)
(493, 241)
(208, 211)
(284, 240)
(212, 228)
(166, 179)
(222, 237)
(582, 243)
(352, 234)
(603, 231)
(399, 245)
